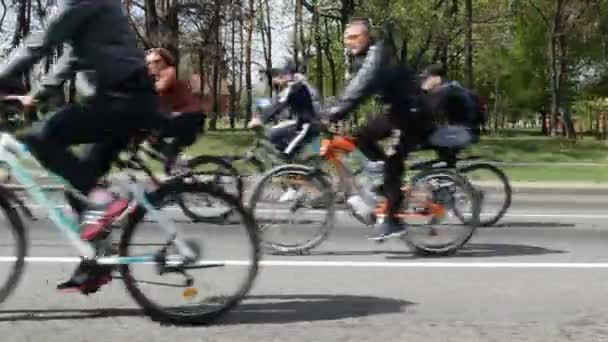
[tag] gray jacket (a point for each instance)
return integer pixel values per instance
(98, 44)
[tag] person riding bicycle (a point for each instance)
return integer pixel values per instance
(451, 103)
(297, 95)
(397, 87)
(177, 98)
(100, 47)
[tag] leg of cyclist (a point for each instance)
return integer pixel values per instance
(376, 129)
(298, 139)
(98, 157)
(280, 134)
(368, 135)
(112, 114)
(184, 128)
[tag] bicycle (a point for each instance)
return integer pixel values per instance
(174, 255)
(468, 170)
(201, 168)
(430, 196)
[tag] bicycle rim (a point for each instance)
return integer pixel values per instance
(197, 303)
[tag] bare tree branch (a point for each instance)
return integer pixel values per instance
(545, 19)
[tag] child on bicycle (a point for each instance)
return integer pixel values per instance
(297, 95)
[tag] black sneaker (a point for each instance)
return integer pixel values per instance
(385, 230)
(87, 279)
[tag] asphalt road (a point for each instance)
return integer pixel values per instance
(540, 275)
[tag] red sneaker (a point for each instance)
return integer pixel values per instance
(113, 210)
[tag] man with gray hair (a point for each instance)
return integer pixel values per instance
(396, 85)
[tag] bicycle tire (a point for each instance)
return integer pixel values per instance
(299, 170)
(232, 173)
(472, 224)
(507, 189)
(159, 314)
(18, 231)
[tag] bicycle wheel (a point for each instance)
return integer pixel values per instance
(197, 302)
(440, 236)
(279, 200)
(217, 171)
(13, 246)
(494, 206)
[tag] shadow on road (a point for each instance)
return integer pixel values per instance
(472, 250)
(254, 310)
(485, 250)
(305, 308)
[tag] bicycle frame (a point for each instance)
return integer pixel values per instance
(12, 150)
(332, 150)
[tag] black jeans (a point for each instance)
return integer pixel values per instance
(413, 131)
(107, 121)
(183, 129)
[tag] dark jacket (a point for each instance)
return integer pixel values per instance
(453, 104)
(98, 43)
(376, 75)
(298, 98)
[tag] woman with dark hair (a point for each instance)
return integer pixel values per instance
(178, 99)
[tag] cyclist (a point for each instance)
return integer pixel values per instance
(451, 103)
(299, 97)
(177, 98)
(98, 41)
(397, 87)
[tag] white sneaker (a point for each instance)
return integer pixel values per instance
(288, 195)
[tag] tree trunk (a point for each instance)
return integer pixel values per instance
(172, 20)
(403, 55)
(233, 71)
(543, 119)
(330, 58)
(266, 34)
(241, 60)
(151, 22)
(496, 102)
(269, 33)
(319, 50)
(555, 99)
(563, 87)
(296, 28)
(301, 39)
(249, 42)
(217, 59)
(468, 4)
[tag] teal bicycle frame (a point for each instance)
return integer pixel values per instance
(12, 151)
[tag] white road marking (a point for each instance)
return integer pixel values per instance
(583, 216)
(514, 215)
(354, 264)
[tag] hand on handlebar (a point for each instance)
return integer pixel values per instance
(255, 123)
(26, 101)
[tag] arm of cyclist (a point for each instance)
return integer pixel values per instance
(278, 107)
(165, 79)
(64, 70)
(272, 111)
(60, 29)
(361, 86)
